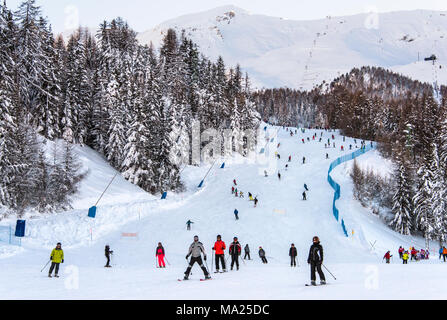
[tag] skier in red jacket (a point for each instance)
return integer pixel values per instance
(387, 257)
(160, 253)
(219, 248)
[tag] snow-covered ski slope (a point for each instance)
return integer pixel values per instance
(278, 52)
(280, 219)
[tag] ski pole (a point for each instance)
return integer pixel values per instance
(212, 261)
(167, 261)
(329, 272)
(45, 265)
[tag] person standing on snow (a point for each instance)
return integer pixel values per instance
(236, 214)
(160, 254)
(234, 181)
(57, 257)
(262, 255)
(219, 248)
(292, 254)
(235, 252)
(188, 225)
(108, 252)
(256, 201)
(387, 257)
(304, 195)
(305, 187)
(441, 249)
(247, 252)
(279, 176)
(405, 257)
(304, 160)
(195, 250)
(401, 252)
(444, 253)
(315, 259)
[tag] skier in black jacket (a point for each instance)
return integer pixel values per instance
(108, 252)
(235, 252)
(293, 253)
(247, 252)
(315, 260)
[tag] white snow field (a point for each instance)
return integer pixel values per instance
(280, 219)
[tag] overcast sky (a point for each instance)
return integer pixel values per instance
(145, 14)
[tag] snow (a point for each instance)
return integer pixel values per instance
(275, 51)
(280, 219)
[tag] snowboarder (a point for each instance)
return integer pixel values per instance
(247, 252)
(304, 195)
(387, 257)
(219, 248)
(256, 201)
(188, 225)
(108, 252)
(292, 254)
(235, 252)
(262, 255)
(236, 214)
(57, 257)
(315, 259)
(305, 187)
(195, 251)
(160, 254)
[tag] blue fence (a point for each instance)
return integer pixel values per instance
(7, 236)
(336, 186)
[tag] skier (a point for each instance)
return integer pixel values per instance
(444, 253)
(160, 254)
(327, 155)
(232, 190)
(247, 252)
(401, 252)
(234, 181)
(304, 195)
(342, 149)
(315, 259)
(350, 147)
(413, 254)
(302, 140)
(405, 257)
(305, 187)
(195, 251)
(290, 158)
(57, 257)
(287, 166)
(279, 176)
(108, 252)
(279, 156)
(235, 252)
(262, 255)
(235, 191)
(304, 160)
(236, 195)
(256, 201)
(188, 225)
(236, 214)
(219, 247)
(241, 194)
(292, 254)
(265, 173)
(441, 249)
(387, 257)
(250, 197)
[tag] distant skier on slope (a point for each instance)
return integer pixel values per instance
(292, 254)
(235, 252)
(188, 224)
(405, 257)
(236, 214)
(195, 251)
(387, 257)
(305, 187)
(279, 176)
(219, 247)
(247, 252)
(107, 252)
(315, 259)
(262, 255)
(401, 252)
(256, 201)
(304, 160)
(160, 254)
(304, 195)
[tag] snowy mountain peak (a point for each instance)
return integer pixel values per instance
(277, 52)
